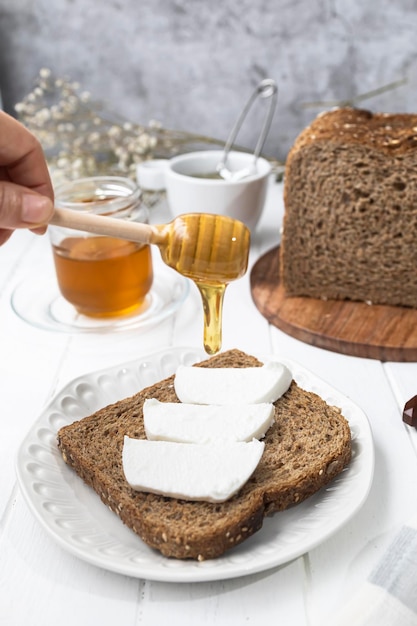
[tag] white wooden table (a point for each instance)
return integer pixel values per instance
(41, 583)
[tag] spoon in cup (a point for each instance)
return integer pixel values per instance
(266, 89)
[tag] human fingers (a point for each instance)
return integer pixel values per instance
(22, 158)
(4, 235)
(22, 208)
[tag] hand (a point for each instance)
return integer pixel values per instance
(26, 193)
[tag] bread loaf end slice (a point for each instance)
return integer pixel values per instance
(350, 219)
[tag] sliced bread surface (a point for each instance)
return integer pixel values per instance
(308, 444)
(350, 198)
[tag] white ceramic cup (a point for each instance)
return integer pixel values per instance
(187, 192)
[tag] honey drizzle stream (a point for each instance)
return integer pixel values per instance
(211, 250)
(212, 297)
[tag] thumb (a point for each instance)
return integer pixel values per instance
(22, 208)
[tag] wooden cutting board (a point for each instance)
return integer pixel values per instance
(386, 333)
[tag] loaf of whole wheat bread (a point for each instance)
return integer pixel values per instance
(350, 197)
(306, 447)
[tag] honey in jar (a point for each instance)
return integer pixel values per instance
(102, 276)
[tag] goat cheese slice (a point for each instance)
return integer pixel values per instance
(234, 385)
(211, 472)
(198, 423)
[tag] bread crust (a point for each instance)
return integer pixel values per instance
(391, 133)
(306, 447)
(350, 219)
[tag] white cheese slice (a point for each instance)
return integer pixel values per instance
(203, 423)
(239, 385)
(209, 472)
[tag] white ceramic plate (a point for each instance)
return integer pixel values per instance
(76, 518)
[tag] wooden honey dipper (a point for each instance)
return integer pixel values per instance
(212, 250)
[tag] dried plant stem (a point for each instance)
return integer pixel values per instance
(352, 102)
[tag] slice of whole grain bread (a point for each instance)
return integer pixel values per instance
(306, 447)
(350, 198)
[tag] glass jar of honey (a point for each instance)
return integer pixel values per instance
(101, 276)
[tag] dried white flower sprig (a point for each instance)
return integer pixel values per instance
(81, 138)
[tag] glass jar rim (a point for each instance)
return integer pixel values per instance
(105, 195)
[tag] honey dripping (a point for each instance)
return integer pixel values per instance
(211, 250)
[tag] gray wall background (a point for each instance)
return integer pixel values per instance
(191, 64)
